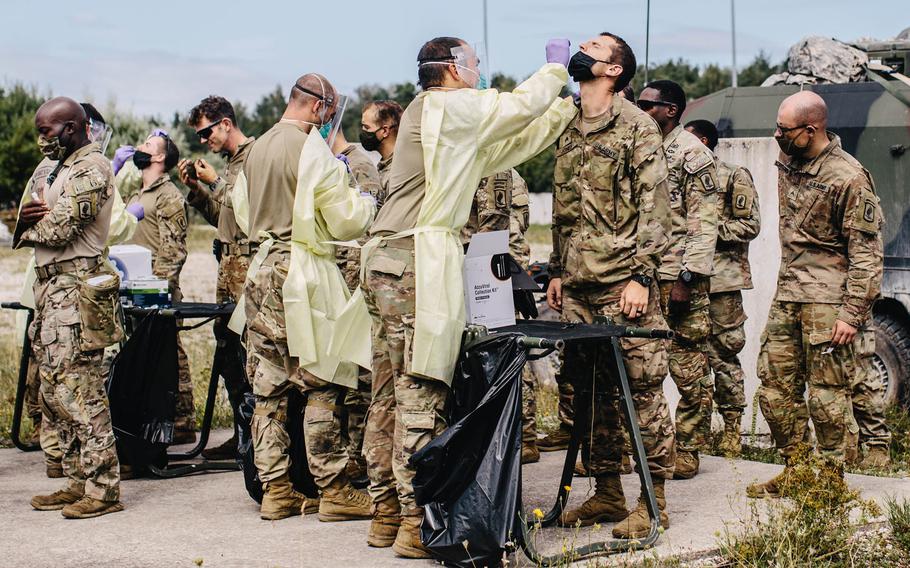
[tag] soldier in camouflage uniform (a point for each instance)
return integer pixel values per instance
(67, 224)
(738, 223)
(163, 231)
(502, 204)
(356, 402)
(214, 121)
(611, 224)
(874, 443)
(830, 274)
(685, 269)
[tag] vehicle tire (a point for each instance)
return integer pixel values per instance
(892, 358)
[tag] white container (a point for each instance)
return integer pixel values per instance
(132, 262)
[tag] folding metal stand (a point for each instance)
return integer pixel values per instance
(543, 334)
(208, 312)
(16, 426)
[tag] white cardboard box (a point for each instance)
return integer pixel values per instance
(488, 296)
(132, 262)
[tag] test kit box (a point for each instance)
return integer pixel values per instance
(145, 292)
(488, 282)
(132, 262)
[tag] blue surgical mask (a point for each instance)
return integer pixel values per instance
(482, 83)
(325, 130)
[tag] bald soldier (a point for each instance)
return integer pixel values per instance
(830, 274)
(75, 316)
(686, 269)
(284, 172)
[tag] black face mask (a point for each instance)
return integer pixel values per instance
(369, 141)
(142, 159)
(581, 65)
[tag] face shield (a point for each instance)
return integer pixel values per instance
(100, 132)
(329, 128)
(471, 63)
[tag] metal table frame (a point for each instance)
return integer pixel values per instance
(582, 404)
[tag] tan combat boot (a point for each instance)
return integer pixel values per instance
(57, 500)
(385, 524)
(558, 440)
(310, 505)
(341, 502)
(88, 507)
(280, 501)
(54, 469)
(686, 465)
(730, 442)
(876, 458)
(407, 542)
(770, 489)
(581, 470)
(638, 524)
(626, 464)
(226, 451)
(607, 504)
(529, 452)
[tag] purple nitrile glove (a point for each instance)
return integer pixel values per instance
(136, 210)
(163, 132)
(558, 51)
(344, 159)
(122, 154)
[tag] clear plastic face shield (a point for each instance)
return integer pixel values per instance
(471, 63)
(100, 132)
(330, 126)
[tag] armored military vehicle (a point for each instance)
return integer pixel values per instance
(871, 115)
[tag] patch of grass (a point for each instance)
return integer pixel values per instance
(539, 235)
(899, 519)
(811, 527)
(547, 410)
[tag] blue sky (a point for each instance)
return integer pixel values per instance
(160, 56)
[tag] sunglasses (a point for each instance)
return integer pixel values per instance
(785, 130)
(206, 133)
(648, 105)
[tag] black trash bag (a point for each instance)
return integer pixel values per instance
(300, 474)
(142, 389)
(468, 479)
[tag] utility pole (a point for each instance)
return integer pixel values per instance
(734, 72)
(486, 38)
(647, 36)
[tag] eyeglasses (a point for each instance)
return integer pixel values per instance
(648, 105)
(206, 133)
(785, 130)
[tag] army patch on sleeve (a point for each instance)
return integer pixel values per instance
(866, 216)
(707, 181)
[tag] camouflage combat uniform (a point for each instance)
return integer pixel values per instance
(163, 231)
(69, 243)
(365, 176)
(502, 204)
(47, 436)
(869, 396)
(692, 183)
(236, 250)
(831, 269)
(738, 223)
(611, 220)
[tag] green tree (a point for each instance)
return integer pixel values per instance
(758, 70)
(18, 151)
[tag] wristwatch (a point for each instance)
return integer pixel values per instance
(687, 277)
(643, 280)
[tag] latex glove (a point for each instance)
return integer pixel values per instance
(122, 154)
(33, 211)
(205, 172)
(136, 210)
(558, 51)
(344, 159)
(160, 132)
(680, 298)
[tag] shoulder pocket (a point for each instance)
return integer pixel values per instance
(741, 201)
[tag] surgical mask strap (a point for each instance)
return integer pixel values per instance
(447, 63)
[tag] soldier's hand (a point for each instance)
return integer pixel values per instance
(844, 333)
(554, 294)
(33, 211)
(182, 168)
(680, 298)
(634, 300)
(206, 172)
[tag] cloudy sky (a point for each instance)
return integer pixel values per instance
(161, 56)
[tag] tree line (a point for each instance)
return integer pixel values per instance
(19, 154)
